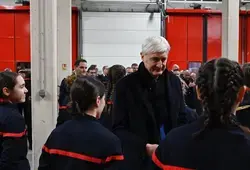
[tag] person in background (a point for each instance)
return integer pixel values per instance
(116, 72)
(22, 73)
(92, 71)
(25, 107)
(134, 67)
(83, 143)
(97, 70)
(13, 139)
(215, 141)
(147, 104)
(243, 111)
(191, 96)
(190, 113)
(175, 68)
(193, 76)
(104, 76)
(8, 69)
(80, 68)
(129, 70)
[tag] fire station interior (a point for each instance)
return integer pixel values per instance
(42, 39)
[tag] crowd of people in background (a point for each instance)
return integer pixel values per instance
(143, 117)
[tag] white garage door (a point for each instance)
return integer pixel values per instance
(115, 38)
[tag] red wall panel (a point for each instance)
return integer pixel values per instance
(176, 34)
(194, 38)
(7, 37)
(74, 37)
(240, 40)
(248, 40)
(214, 37)
(22, 36)
(7, 64)
(15, 36)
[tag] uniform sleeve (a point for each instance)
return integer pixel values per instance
(115, 159)
(14, 143)
(162, 157)
(45, 158)
(158, 157)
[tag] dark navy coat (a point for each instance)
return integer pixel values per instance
(81, 143)
(13, 141)
(134, 119)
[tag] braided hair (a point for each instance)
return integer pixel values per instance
(116, 72)
(219, 82)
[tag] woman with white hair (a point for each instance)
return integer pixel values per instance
(147, 104)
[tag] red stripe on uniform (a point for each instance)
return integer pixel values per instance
(116, 157)
(82, 156)
(63, 107)
(14, 135)
(109, 102)
(166, 167)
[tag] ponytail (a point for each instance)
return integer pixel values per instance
(75, 108)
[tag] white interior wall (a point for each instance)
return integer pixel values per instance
(7, 2)
(115, 38)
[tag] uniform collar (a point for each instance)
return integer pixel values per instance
(85, 116)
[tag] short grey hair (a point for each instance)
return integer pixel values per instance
(155, 44)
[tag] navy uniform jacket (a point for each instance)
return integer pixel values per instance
(13, 141)
(221, 149)
(64, 98)
(64, 93)
(81, 143)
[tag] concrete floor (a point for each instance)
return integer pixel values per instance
(29, 156)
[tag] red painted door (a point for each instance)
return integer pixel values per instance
(241, 48)
(7, 40)
(22, 36)
(214, 37)
(74, 37)
(195, 38)
(248, 39)
(176, 34)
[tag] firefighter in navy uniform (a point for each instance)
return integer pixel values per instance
(80, 68)
(116, 72)
(83, 143)
(13, 141)
(216, 141)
